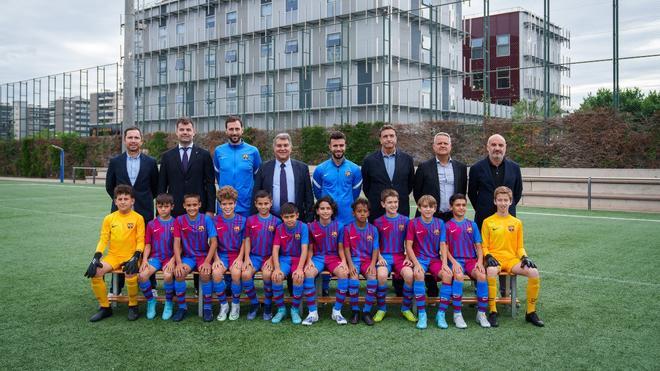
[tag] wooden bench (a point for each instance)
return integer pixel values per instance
(510, 297)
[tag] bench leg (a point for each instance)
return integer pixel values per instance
(514, 295)
(200, 301)
(114, 287)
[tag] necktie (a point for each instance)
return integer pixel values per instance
(184, 159)
(284, 192)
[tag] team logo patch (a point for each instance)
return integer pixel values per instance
(171, 229)
(511, 228)
(296, 236)
(370, 238)
(130, 225)
(237, 228)
(469, 229)
(246, 157)
(334, 234)
(436, 232)
(271, 228)
(201, 228)
(401, 227)
(348, 173)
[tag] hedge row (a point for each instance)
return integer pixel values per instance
(594, 139)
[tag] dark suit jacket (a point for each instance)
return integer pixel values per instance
(427, 182)
(145, 187)
(199, 178)
(263, 180)
(375, 180)
(482, 188)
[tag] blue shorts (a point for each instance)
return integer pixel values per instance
(394, 262)
(258, 261)
(431, 265)
(227, 258)
(288, 264)
(193, 261)
(157, 263)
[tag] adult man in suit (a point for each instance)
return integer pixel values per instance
(137, 170)
(387, 168)
(187, 168)
(489, 173)
(286, 179)
(441, 176)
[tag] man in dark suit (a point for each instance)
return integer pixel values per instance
(441, 176)
(137, 170)
(186, 169)
(489, 173)
(387, 168)
(286, 179)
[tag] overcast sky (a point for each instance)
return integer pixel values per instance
(42, 37)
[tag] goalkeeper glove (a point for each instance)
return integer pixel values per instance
(132, 265)
(491, 261)
(525, 261)
(96, 263)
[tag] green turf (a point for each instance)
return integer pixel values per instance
(600, 297)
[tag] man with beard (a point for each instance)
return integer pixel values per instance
(236, 164)
(338, 178)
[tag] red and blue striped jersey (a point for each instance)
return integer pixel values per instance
(461, 237)
(426, 237)
(194, 234)
(231, 233)
(325, 238)
(261, 233)
(361, 241)
(291, 240)
(392, 232)
(159, 236)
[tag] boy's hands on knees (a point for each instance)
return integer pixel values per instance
(144, 266)
(205, 268)
(480, 268)
(169, 267)
(93, 265)
(407, 263)
(217, 264)
(381, 262)
(527, 262)
(371, 270)
(278, 274)
(238, 265)
(247, 264)
(417, 269)
(180, 271)
(131, 266)
(446, 270)
(457, 270)
(309, 267)
(491, 261)
(268, 265)
(298, 274)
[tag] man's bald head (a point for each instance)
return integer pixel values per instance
(496, 147)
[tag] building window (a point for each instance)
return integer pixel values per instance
(292, 97)
(180, 32)
(266, 98)
(266, 14)
(333, 8)
(210, 22)
(162, 105)
(266, 61)
(162, 70)
(291, 47)
(503, 75)
(426, 93)
(477, 48)
(477, 81)
(333, 91)
(231, 22)
(232, 99)
(333, 47)
(231, 56)
(426, 42)
(210, 100)
(291, 11)
(291, 5)
(210, 62)
(503, 45)
(162, 37)
(179, 105)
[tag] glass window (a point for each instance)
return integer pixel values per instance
(333, 39)
(231, 17)
(426, 85)
(503, 45)
(478, 80)
(291, 47)
(426, 42)
(477, 48)
(179, 66)
(291, 5)
(503, 78)
(180, 28)
(162, 64)
(291, 88)
(231, 56)
(266, 10)
(266, 46)
(210, 21)
(333, 84)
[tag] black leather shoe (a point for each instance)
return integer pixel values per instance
(534, 319)
(179, 315)
(133, 313)
(492, 318)
(366, 317)
(104, 312)
(355, 318)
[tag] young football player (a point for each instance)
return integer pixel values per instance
(289, 256)
(361, 245)
(463, 252)
(325, 252)
(504, 251)
(195, 243)
(230, 228)
(122, 232)
(158, 253)
(259, 235)
(392, 231)
(424, 238)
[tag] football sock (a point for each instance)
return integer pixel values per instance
(445, 295)
(250, 292)
(268, 293)
(492, 294)
(370, 297)
(482, 296)
(297, 296)
(219, 289)
(278, 294)
(180, 289)
(145, 287)
(457, 295)
(235, 292)
(340, 294)
(533, 287)
(310, 294)
(419, 289)
(132, 288)
(381, 295)
(100, 291)
(407, 297)
(169, 290)
(207, 292)
(353, 288)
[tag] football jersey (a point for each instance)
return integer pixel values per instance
(230, 233)
(194, 234)
(291, 240)
(325, 238)
(361, 241)
(123, 234)
(159, 236)
(503, 237)
(392, 232)
(462, 237)
(426, 237)
(261, 233)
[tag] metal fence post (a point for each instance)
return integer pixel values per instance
(589, 193)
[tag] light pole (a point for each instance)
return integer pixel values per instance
(61, 162)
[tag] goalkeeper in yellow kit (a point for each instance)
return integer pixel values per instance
(503, 250)
(122, 233)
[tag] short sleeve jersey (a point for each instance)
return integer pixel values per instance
(325, 238)
(261, 232)
(230, 233)
(426, 237)
(361, 241)
(291, 240)
(160, 236)
(392, 232)
(462, 237)
(194, 234)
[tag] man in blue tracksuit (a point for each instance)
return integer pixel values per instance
(236, 163)
(339, 178)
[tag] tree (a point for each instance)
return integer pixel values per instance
(631, 100)
(526, 109)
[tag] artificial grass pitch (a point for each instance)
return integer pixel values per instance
(599, 299)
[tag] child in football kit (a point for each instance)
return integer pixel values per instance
(424, 238)
(325, 252)
(259, 235)
(502, 235)
(392, 231)
(122, 232)
(195, 243)
(463, 252)
(158, 255)
(361, 244)
(289, 256)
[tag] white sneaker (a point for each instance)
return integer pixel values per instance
(459, 321)
(154, 293)
(336, 316)
(311, 318)
(224, 309)
(235, 312)
(482, 320)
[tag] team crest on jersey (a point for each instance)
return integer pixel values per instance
(370, 238)
(172, 229)
(200, 228)
(296, 236)
(348, 173)
(130, 225)
(469, 229)
(237, 228)
(436, 232)
(271, 228)
(334, 234)
(401, 227)
(246, 157)
(511, 228)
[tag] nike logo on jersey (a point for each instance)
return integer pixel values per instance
(452, 230)
(419, 232)
(156, 230)
(353, 237)
(386, 227)
(318, 235)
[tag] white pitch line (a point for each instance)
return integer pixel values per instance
(47, 198)
(51, 212)
(592, 217)
(51, 185)
(608, 279)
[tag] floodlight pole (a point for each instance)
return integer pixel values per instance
(129, 73)
(61, 162)
(546, 57)
(615, 55)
